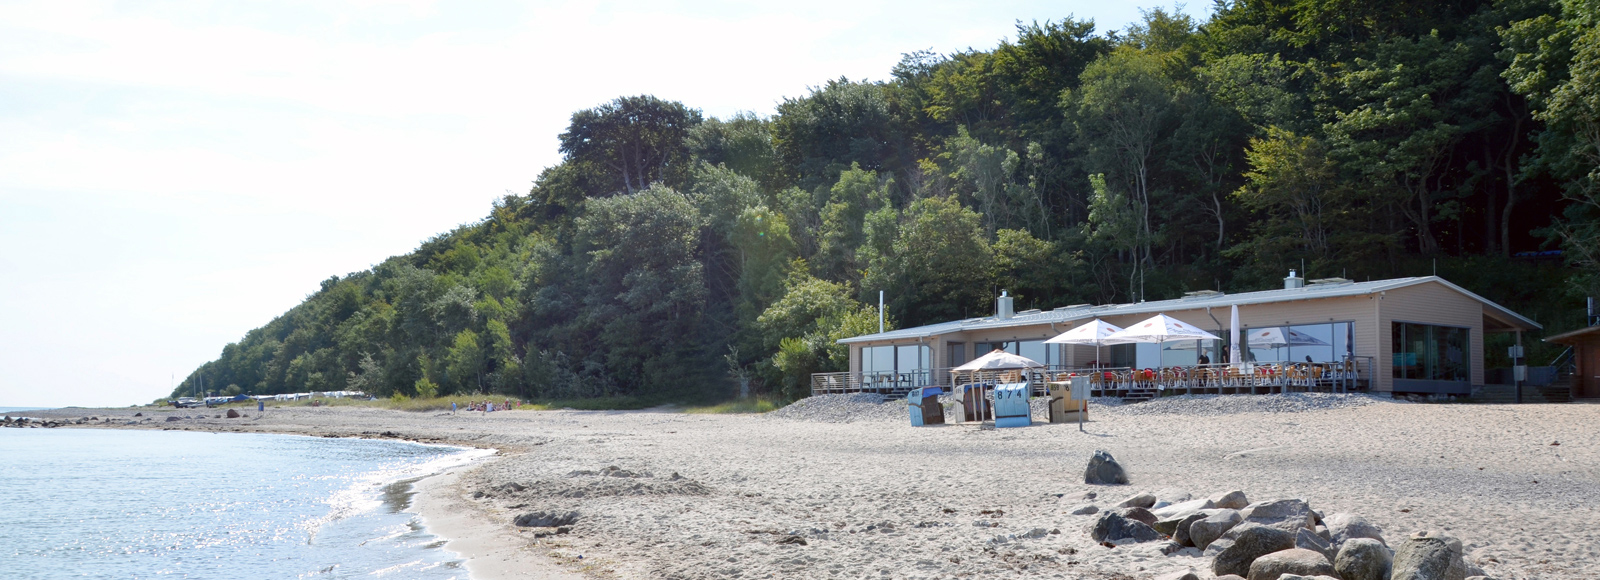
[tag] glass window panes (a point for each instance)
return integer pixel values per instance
(1430, 353)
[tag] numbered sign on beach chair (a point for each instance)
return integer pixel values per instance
(925, 407)
(1064, 407)
(1011, 405)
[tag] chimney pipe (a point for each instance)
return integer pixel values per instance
(1002, 306)
(1293, 281)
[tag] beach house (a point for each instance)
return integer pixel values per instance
(1421, 335)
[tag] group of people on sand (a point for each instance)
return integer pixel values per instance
(489, 406)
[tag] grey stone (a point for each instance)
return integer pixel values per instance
(1298, 561)
(1230, 577)
(1429, 558)
(1181, 534)
(1299, 577)
(1104, 470)
(1285, 514)
(1138, 514)
(1236, 550)
(171, 419)
(1183, 508)
(1113, 527)
(546, 519)
(1311, 541)
(1481, 578)
(1168, 518)
(233, 413)
(1343, 527)
(1141, 500)
(1168, 548)
(1205, 531)
(1322, 532)
(1363, 559)
(1170, 496)
(1084, 510)
(1233, 500)
(1179, 575)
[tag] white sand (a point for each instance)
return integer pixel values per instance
(877, 498)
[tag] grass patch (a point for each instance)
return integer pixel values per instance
(753, 405)
(624, 403)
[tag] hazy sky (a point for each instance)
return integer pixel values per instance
(174, 174)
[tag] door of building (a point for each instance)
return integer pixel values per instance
(1588, 370)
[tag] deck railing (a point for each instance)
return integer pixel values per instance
(1352, 374)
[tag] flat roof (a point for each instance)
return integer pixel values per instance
(1570, 338)
(1069, 314)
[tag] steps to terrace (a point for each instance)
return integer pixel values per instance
(1557, 392)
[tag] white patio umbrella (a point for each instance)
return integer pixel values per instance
(1097, 333)
(998, 360)
(1161, 328)
(1234, 356)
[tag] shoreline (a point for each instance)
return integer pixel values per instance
(489, 550)
(855, 492)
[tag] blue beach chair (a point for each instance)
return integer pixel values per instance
(1011, 405)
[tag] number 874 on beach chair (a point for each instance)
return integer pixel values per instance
(1011, 405)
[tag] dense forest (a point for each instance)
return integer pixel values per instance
(671, 255)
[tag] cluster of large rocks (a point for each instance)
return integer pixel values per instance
(25, 422)
(1281, 539)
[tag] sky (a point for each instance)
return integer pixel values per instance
(175, 173)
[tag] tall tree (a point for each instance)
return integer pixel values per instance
(632, 141)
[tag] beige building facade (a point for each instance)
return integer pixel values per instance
(1409, 335)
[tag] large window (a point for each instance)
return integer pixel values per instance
(1037, 350)
(1430, 353)
(1319, 343)
(893, 359)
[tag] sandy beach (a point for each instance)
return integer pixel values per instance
(855, 492)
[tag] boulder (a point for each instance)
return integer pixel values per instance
(1183, 508)
(1236, 550)
(1104, 470)
(172, 418)
(1297, 561)
(1288, 515)
(1204, 531)
(1423, 557)
(1138, 514)
(233, 413)
(1299, 577)
(1170, 496)
(1309, 540)
(1345, 526)
(1363, 559)
(1181, 533)
(1230, 577)
(1142, 500)
(1233, 500)
(1113, 527)
(1084, 510)
(1168, 518)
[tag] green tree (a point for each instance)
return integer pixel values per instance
(940, 266)
(633, 141)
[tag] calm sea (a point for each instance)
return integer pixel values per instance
(85, 503)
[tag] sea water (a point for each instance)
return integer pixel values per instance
(90, 503)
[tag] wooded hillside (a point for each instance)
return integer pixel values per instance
(669, 252)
